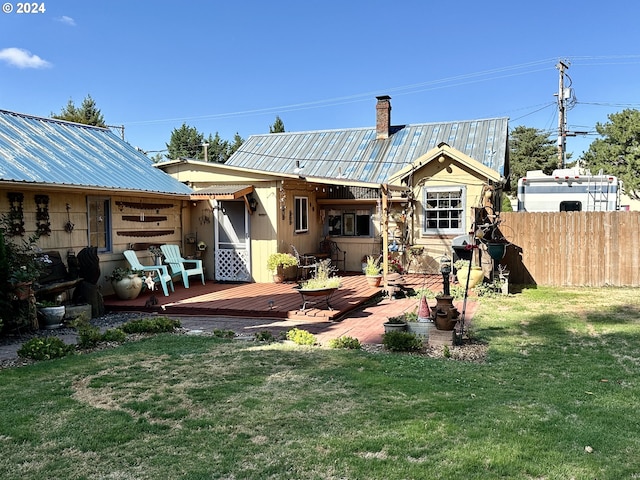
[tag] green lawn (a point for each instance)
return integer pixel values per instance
(562, 373)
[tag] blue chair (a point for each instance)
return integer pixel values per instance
(179, 264)
(160, 271)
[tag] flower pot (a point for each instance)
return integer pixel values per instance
(421, 329)
(22, 290)
(394, 327)
(496, 250)
(51, 317)
(374, 280)
(443, 322)
(475, 276)
(128, 288)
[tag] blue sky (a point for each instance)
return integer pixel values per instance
(232, 66)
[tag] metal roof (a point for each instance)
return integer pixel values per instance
(44, 150)
(356, 154)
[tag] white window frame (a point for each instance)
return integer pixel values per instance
(301, 214)
(461, 190)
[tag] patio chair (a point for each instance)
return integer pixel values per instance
(180, 265)
(159, 271)
(336, 254)
(306, 264)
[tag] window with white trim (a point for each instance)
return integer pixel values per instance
(302, 214)
(444, 210)
(99, 223)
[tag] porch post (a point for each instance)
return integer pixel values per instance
(385, 231)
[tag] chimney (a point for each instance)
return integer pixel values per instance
(383, 116)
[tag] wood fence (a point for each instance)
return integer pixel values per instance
(573, 248)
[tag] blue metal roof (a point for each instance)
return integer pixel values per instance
(45, 150)
(356, 154)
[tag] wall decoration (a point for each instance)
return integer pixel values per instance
(144, 233)
(68, 227)
(43, 225)
(349, 224)
(16, 214)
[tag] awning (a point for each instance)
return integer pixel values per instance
(222, 192)
(228, 192)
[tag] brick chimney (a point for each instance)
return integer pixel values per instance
(383, 116)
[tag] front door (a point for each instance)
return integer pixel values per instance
(232, 241)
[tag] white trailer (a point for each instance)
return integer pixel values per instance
(568, 190)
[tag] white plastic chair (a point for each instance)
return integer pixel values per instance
(179, 264)
(160, 271)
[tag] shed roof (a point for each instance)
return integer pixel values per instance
(357, 154)
(44, 150)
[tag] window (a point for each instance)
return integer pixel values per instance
(349, 222)
(302, 214)
(99, 222)
(444, 210)
(570, 206)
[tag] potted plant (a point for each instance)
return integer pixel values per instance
(475, 274)
(50, 314)
(277, 262)
(372, 272)
(395, 324)
(126, 283)
(323, 284)
(418, 326)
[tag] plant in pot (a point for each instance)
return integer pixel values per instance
(475, 274)
(50, 314)
(277, 262)
(396, 323)
(323, 279)
(372, 271)
(126, 283)
(415, 325)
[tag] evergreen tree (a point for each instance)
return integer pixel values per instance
(237, 143)
(277, 127)
(88, 113)
(185, 142)
(618, 152)
(530, 149)
(218, 150)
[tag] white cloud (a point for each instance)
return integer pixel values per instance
(67, 20)
(21, 58)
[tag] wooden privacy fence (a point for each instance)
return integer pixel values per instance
(573, 248)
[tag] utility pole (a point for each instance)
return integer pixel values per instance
(562, 121)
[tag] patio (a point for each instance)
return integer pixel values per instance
(247, 308)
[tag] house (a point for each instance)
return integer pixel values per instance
(387, 187)
(80, 186)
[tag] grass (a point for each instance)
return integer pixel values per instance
(561, 374)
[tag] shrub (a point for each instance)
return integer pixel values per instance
(401, 342)
(349, 343)
(301, 337)
(114, 335)
(45, 348)
(223, 333)
(265, 336)
(151, 325)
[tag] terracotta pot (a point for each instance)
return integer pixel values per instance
(443, 322)
(374, 280)
(128, 288)
(22, 290)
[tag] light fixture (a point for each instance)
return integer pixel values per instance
(253, 204)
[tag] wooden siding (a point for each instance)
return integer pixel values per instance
(573, 248)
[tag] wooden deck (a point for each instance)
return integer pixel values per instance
(260, 300)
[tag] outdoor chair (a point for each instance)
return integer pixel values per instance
(336, 254)
(306, 264)
(160, 272)
(185, 267)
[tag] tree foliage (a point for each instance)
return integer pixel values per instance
(277, 127)
(530, 149)
(88, 113)
(187, 142)
(618, 151)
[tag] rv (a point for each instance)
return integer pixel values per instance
(568, 190)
